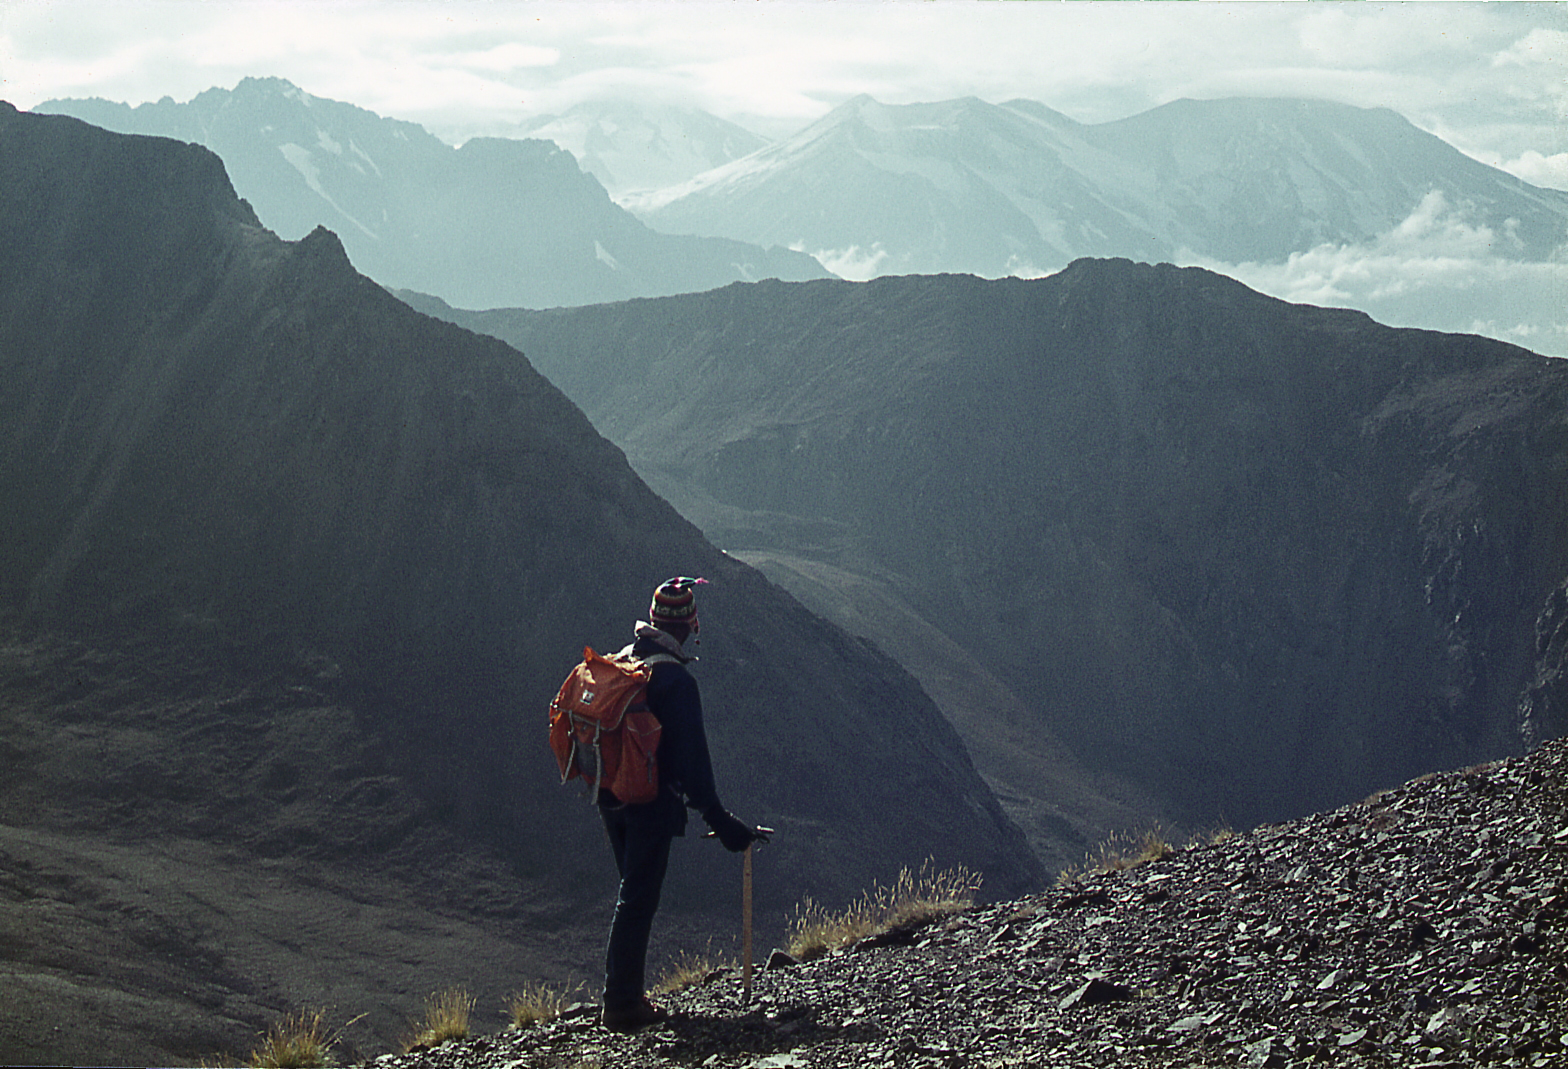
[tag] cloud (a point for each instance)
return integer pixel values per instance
(1539, 46)
(1550, 172)
(1437, 269)
(784, 63)
(854, 263)
(506, 57)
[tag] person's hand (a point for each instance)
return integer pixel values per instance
(733, 832)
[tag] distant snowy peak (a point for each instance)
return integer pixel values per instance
(630, 147)
(1260, 178)
(872, 188)
(884, 135)
(967, 186)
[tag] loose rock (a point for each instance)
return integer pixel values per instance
(1423, 927)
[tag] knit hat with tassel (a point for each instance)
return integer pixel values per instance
(675, 602)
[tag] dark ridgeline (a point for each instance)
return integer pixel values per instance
(226, 449)
(1257, 557)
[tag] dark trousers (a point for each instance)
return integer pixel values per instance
(640, 838)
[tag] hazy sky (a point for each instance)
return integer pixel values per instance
(1490, 78)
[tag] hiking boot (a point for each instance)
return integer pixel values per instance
(639, 1014)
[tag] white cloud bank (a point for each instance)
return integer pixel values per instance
(1550, 172)
(1437, 270)
(854, 263)
(1488, 77)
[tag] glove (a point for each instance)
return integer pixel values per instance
(733, 832)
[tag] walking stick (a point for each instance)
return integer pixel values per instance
(759, 835)
(745, 927)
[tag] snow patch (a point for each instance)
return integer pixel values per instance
(300, 159)
(603, 256)
(735, 175)
(356, 150)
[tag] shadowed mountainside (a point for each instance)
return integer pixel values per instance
(1255, 557)
(289, 573)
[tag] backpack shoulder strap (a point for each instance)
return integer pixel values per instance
(660, 657)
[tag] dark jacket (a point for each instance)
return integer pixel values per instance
(685, 769)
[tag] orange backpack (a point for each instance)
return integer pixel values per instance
(601, 729)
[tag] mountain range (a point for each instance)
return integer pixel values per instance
(289, 574)
(1306, 200)
(499, 221)
(1016, 188)
(1252, 558)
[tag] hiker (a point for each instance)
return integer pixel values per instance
(640, 835)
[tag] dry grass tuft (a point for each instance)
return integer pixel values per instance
(1214, 836)
(1119, 852)
(914, 898)
(298, 1041)
(535, 1004)
(446, 1017)
(690, 969)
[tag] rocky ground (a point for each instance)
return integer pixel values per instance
(1426, 926)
